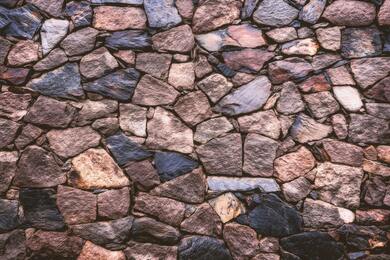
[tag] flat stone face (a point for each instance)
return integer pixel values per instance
(296, 190)
(215, 86)
(384, 14)
(138, 250)
(97, 63)
(54, 59)
(161, 14)
(132, 119)
(90, 110)
(149, 230)
(13, 245)
(322, 104)
(143, 174)
(212, 128)
(307, 46)
(22, 53)
(203, 247)
(79, 12)
(178, 39)
(204, 221)
(227, 206)
(128, 39)
(312, 11)
(288, 69)
(114, 204)
(290, 100)
(90, 250)
(155, 64)
(9, 215)
(52, 32)
(241, 240)
(345, 153)
(370, 70)
(8, 169)
(380, 110)
(14, 106)
(283, 34)
(367, 129)
(171, 165)
(193, 108)
(247, 60)
(114, 18)
(182, 75)
(306, 129)
(216, 183)
(329, 38)
(361, 42)
(275, 13)
(79, 42)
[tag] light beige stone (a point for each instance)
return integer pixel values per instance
(227, 206)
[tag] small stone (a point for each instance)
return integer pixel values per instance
(171, 165)
(345, 153)
(202, 67)
(247, 60)
(139, 251)
(316, 83)
(308, 46)
(241, 240)
(212, 128)
(90, 110)
(321, 104)
(384, 153)
(193, 108)
(75, 205)
(54, 59)
(294, 165)
(174, 136)
(222, 155)
(329, 38)
(127, 56)
(312, 11)
(203, 247)
(52, 32)
(97, 63)
(284, 34)
(370, 70)
(350, 13)
(7, 170)
(368, 129)
(247, 98)
(106, 126)
(29, 134)
(384, 14)
(185, 8)
(79, 42)
(324, 60)
(204, 221)
(142, 174)
(340, 126)
(8, 131)
(162, 14)
(115, 18)
(90, 250)
(166, 210)
(95, 169)
(221, 184)
(227, 206)
(275, 13)
(149, 230)
(376, 168)
(13, 245)
(177, 39)
(290, 101)
(340, 76)
(37, 168)
(135, 39)
(296, 190)
(381, 110)
(362, 237)
(52, 7)
(14, 106)
(182, 75)
(132, 119)
(79, 12)
(23, 52)
(15, 76)
(306, 129)
(215, 86)
(371, 153)
(155, 64)
(248, 8)
(288, 69)
(372, 217)
(360, 42)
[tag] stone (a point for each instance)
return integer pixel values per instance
(185, 8)
(362, 237)
(350, 13)
(204, 221)
(221, 184)
(222, 155)
(345, 153)
(171, 165)
(193, 108)
(79, 12)
(40, 210)
(324, 60)
(90, 250)
(203, 247)
(127, 56)
(175, 136)
(97, 63)
(321, 104)
(374, 191)
(211, 15)
(79, 42)
(212, 128)
(293, 165)
(264, 122)
(381, 110)
(95, 169)
(296, 190)
(372, 216)
(202, 67)
(312, 11)
(13, 245)
(384, 14)
(368, 129)
(7, 169)
(113, 204)
(288, 69)
(178, 39)
(340, 76)
(110, 234)
(215, 86)
(227, 206)
(75, 205)
(9, 215)
(132, 119)
(23, 52)
(149, 230)
(361, 42)
(306, 129)
(142, 174)
(384, 153)
(247, 60)
(130, 2)
(164, 209)
(116, 18)
(72, 141)
(153, 92)
(52, 7)
(189, 188)
(135, 39)
(37, 168)
(284, 34)
(54, 59)
(27, 136)
(246, 99)
(155, 64)
(348, 97)
(90, 110)
(272, 217)
(182, 75)
(313, 245)
(8, 131)
(275, 13)
(15, 76)
(340, 126)
(63, 82)
(368, 71)
(329, 38)
(52, 32)
(106, 126)
(308, 46)
(290, 100)
(14, 106)
(266, 256)
(248, 8)
(161, 14)
(376, 168)
(319, 214)
(241, 240)
(138, 251)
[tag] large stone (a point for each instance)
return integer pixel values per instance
(345, 153)
(90, 250)
(114, 204)
(178, 39)
(13, 245)
(361, 42)
(143, 175)
(14, 106)
(221, 184)
(290, 100)
(215, 86)
(72, 141)
(377, 168)
(171, 165)
(52, 7)
(247, 98)
(9, 218)
(79, 12)
(340, 76)
(193, 108)
(275, 13)
(29, 134)
(37, 168)
(204, 221)
(155, 64)
(227, 206)
(374, 191)
(370, 70)
(321, 104)
(95, 169)
(212, 128)
(128, 39)
(241, 240)
(90, 110)
(97, 63)
(312, 11)
(288, 69)
(308, 46)
(203, 247)
(316, 83)
(306, 129)
(384, 14)
(262, 122)
(247, 60)
(15, 76)
(7, 169)
(54, 59)
(149, 230)
(296, 190)
(140, 251)
(132, 119)
(80, 42)
(329, 38)
(348, 97)
(182, 75)
(115, 18)
(284, 34)
(23, 52)
(368, 129)
(161, 13)
(52, 32)
(363, 237)
(222, 155)
(175, 135)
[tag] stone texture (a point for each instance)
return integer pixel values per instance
(178, 39)
(115, 18)
(79, 42)
(114, 204)
(241, 240)
(384, 153)
(288, 69)
(312, 11)
(212, 128)
(283, 34)
(227, 206)
(8, 131)
(193, 108)
(90, 110)
(370, 70)
(7, 169)
(15, 76)
(170, 165)
(340, 76)
(161, 14)
(149, 230)
(155, 64)
(129, 39)
(381, 110)
(13, 245)
(143, 175)
(132, 119)
(263, 122)
(9, 215)
(220, 184)
(296, 190)
(329, 38)
(54, 59)
(28, 135)
(322, 104)
(90, 250)
(247, 60)
(360, 42)
(275, 13)
(361, 237)
(384, 14)
(345, 153)
(308, 46)
(79, 12)
(52, 32)
(203, 247)
(306, 129)
(182, 75)
(14, 106)
(204, 221)
(367, 129)
(97, 63)
(215, 86)
(290, 100)
(138, 251)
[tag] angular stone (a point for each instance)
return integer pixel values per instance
(362, 238)
(8, 131)
(340, 126)
(15, 76)
(79, 12)
(14, 106)
(161, 14)
(90, 250)
(215, 86)
(381, 110)
(294, 165)
(308, 46)
(263, 122)
(95, 169)
(312, 11)
(178, 39)
(23, 52)
(72, 141)
(75, 205)
(370, 70)
(212, 128)
(296, 190)
(211, 15)
(372, 217)
(275, 13)
(227, 206)
(221, 184)
(325, 60)
(202, 67)
(113, 204)
(185, 8)
(182, 75)
(52, 32)
(340, 76)
(166, 210)
(350, 13)
(37, 169)
(384, 153)
(247, 60)
(7, 169)
(91, 110)
(368, 129)
(316, 83)
(155, 64)
(132, 119)
(142, 174)
(134, 39)
(54, 59)
(127, 56)
(329, 38)
(345, 153)
(28, 135)
(222, 155)
(241, 240)
(376, 168)
(248, 8)
(374, 191)
(172, 165)
(52, 7)
(80, 42)
(306, 129)
(97, 63)
(149, 230)
(247, 98)
(174, 136)
(193, 108)
(110, 234)
(288, 69)
(106, 126)
(361, 42)
(40, 210)
(290, 100)
(284, 34)
(321, 104)
(115, 18)
(139, 251)
(266, 256)
(13, 245)
(8, 215)
(384, 14)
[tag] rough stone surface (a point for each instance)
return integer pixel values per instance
(290, 101)
(288, 69)
(322, 104)
(242, 184)
(178, 39)
(368, 129)
(90, 250)
(22, 53)
(215, 86)
(186, 106)
(161, 14)
(275, 13)
(114, 204)
(52, 32)
(306, 129)
(79, 42)
(360, 42)
(203, 247)
(297, 189)
(344, 153)
(182, 75)
(97, 63)
(149, 230)
(14, 106)
(155, 64)
(204, 221)
(247, 60)
(142, 174)
(114, 18)
(212, 128)
(329, 38)
(138, 251)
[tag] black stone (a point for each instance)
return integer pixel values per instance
(225, 70)
(118, 85)
(362, 237)
(80, 13)
(272, 217)
(312, 245)
(171, 165)
(124, 150)
(40, 209)
(130, 39)
(12, 245)
(8, 215)
(203, 248)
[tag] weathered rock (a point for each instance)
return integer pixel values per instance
(8, 131)
(215, 86)
(127, 56)
(114, 204)
(193, 108)
(132, 119)
(275, 13)
(54, 59)
(97, 63)
(28, 135)
(182, 75)
(290, 100)
(185, 8)
(142, 174)
(52, 7)
(13, 245)
(79, 12)
(90, 250)
(247, 98)
(316, 83)
(345, 153)
(161, 14)
(128, 39)
(149, 230)
(288, 69)
(222, 155)
(247, 60)
(15, 76)
(171, 165)
(376, 168)
(360, 42)
(241, 240)
(212, 128)
(106, 126)
(220, 184)
(8, 215)
(340, 126)
(80, 42)
(115, 18)
(284, 34)
(138, 251)
(340, 76)
(14, 106)
(23, 52)
(75, 205)
(384, 14)
(130, 2)
(95, 169)
(202, 67)
(306, 129)
(52, 32)
(263, 122)
(312, 11)
(329, 38)
(37, 169)
(348, 97)
(321, 104)
(203, 247)
(155, 64)
(227, 206)
(384, 153)
(372, 216)
(174, 136)
(361, 237)
(368, 129)
(374, 191)
(370, 70)
(91, 110)
(308, 46)
(204, 221)
(381, 110)
(296, 190)
(178, 39)
(7, 169)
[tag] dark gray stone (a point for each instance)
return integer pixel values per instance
(368, 129)
(362, 237)
(130, 39)
(203, 248)
(171, 165)
(149, 230)
(79, 12)
(8, 215)
(161, 13)
(12, 245)
(312, 11)
(248, 8)
(361, 42)
(20, 22)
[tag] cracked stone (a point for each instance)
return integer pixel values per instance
(212, 128)
(308, 46)
(204, 221)
(290, 100)
(288, 69)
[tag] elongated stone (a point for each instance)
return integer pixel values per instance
(171, 165)
(220, 184)
(132, 119)
(115, 18)
(128, 39)
(306, 129)
(275, 13)
(177, 39)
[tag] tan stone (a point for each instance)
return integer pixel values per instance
(329, 38)
(376, 168)
(262, 122)
(227, 206)
(182, 75)
(212, 128)
(307, 46)
(23, 52)
(114, 18)
(384, 153)
(215, 86)
(177, 39)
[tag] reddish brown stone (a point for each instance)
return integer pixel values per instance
(97, 63)
(384, 153)
(202, 67)
(376, 168)
(185, 8)
(178, 39)
(345, 153)
(204, 221)
(140, 251)
(315, 84)
(288, 69)
(114, 204)
(143, 174)
(14, 106)
(23, 52)
(15, 76)
(115, 18)
(155, 64)
(247, 60)
(372, 217)
(380, 91)
(241, 240)
(193, 108)
(182, 75)
(321, 104)
(7, 169)
(92, 251)
(127, 56)
(384, 14)
(215, 86)
(340, 126)
(340, 76)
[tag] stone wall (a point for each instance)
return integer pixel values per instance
(194, 129)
